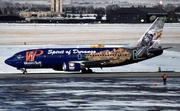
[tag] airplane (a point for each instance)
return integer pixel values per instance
(83, 59)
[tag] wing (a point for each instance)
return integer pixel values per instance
(158, 49)
(95, 63)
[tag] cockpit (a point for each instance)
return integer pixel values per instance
(15, 60)
(19, 56)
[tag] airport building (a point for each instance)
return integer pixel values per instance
(37, 14)
(56, 11)
(56, 6)
(135, 15)
(11, 18)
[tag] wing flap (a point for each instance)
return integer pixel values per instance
(95, 63)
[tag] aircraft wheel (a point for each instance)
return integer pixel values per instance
(89, 71)
(86, 71)
(24, 71)
(83, 71)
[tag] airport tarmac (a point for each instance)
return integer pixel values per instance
(91, 75)
(90, 92)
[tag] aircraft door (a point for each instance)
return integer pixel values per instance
(79, 56)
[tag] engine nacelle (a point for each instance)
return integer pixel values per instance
(57, 68)
(71, 66)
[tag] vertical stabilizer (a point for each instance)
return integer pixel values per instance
(153, 33)
(151, 37)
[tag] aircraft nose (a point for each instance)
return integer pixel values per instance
(13, 61)
(8, 61)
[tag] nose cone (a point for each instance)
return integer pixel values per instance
(13, 61)
(9, 61)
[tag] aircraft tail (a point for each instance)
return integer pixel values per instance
(151, 37)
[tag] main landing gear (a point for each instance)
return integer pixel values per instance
(86, 70)
(24, 71)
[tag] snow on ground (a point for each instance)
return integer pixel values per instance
(81, 33)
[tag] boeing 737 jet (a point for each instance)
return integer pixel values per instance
(83, 59)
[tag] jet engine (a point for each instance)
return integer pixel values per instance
(57, 68)
(71, 66)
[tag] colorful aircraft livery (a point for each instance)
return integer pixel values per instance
(83, 59)
(32, 54)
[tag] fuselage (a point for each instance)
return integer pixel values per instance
(56, 57)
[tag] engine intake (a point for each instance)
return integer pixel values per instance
(71, 66)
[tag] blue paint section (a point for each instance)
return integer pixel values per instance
(52, 57)
(56, 57)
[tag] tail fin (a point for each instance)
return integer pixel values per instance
(152, 35)
(150, 38)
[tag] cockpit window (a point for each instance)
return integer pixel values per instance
(18, 56)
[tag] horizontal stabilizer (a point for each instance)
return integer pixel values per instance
(153, 50)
